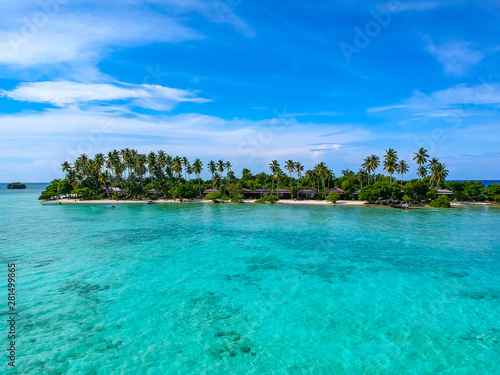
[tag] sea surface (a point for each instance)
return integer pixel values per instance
(250, 289)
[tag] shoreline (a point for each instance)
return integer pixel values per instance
(247, 201)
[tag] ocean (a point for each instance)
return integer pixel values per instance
(250, 289)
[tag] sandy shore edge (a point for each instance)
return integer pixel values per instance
(160, 201)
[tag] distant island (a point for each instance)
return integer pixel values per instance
(16, 185)
(130, 175)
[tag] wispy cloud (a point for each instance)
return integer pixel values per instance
(64, 93)
(433, 104)
(456, 57)
(406, 6)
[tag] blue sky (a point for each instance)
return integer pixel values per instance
(250, 81)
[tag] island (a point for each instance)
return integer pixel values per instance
(16, 185)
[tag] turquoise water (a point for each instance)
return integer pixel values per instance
(251, 289)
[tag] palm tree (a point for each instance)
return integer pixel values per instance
(185, 163)
(197, 168)
(371, 163)
(220, 167)
(433, 162)
(151, 166)
(422, 171)
(189, 171)
(228, 168)
(274, 167)
(390, 162)
(212, 168)
(177, 168)
(439, 173)
(299, 168)
(290, 168)
(321, 171)
(421, 158)
(402, 169)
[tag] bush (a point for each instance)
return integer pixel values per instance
(496, 198)
(377, 191)
(333, 197)
(224, 198)
(270, 198)
(319, 197)
(406, 198)
(116, 196)
(460, 196)
(493, 191)
(416, 190)
(237, 199)
(153, 197)
(213, 196)
(440, 202)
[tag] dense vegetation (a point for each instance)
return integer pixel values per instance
(132, 174)
(16, 185)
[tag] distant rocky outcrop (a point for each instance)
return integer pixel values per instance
(16, 185)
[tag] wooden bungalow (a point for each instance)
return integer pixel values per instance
(356, 193)
(334, 190)
(258, 193)
(447, 193)
(307, 194)
(247, 193)
(282, 193)
(208, 191)
(150, 191)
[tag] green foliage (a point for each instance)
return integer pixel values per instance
(85, 193)
(213, 196)
(460, 195)
(116, 195)
(16, 185)
(379, 190)
(493, 191)
(416, 189)
(333, 197)
(440, 202)
(234, 189)
(270, 198)
(406, 198)
(56, 189)
(496, 198)
(475, 190)
(348, 187)
(153, 197)
(185, 191)
(237, 198)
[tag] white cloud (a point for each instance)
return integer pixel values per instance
(405, 6)
(445, 103)
(64, 93)
(81, 33)
(456, 57)
(58, 134)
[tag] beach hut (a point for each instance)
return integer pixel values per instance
(447, 193)
(282, 193)
(208, 191)
(258, 193)
(247, 193)
(150, 191)
(356, 193)
(307, 194)
(334, 190)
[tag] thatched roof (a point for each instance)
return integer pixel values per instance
(334, 190)
(443, 191)
(357, 192)
(307, 191)
(261, 190)
(209, 191)
(285, 191)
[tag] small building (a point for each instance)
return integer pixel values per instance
(447, 193)
(282, 193)
(116, 190)
(247, 193)
(334, 190)
(150, 191)
(208, 191)
(259, 193)
(356, 193)
(307, 194)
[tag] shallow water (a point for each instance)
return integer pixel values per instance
(252, 289)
